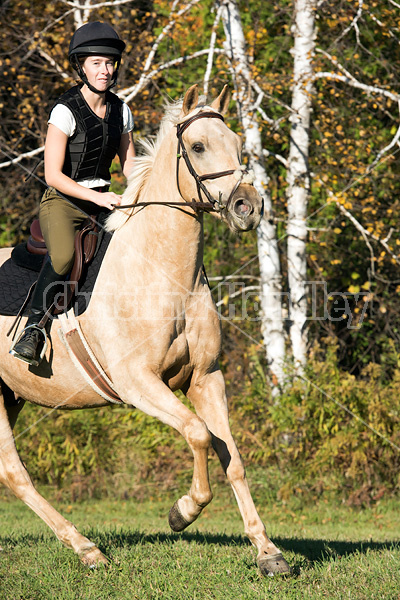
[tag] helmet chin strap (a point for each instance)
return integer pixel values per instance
(93, 89)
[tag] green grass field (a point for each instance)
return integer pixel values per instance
(335, 551)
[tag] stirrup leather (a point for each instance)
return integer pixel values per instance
(33, 362)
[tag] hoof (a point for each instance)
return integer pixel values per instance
(93, 558)
(273, 564)
(175, 519)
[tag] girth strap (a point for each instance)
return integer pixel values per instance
(84, 359)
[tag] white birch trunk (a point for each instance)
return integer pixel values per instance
(271, 296)
(298, 177)
(82, 13)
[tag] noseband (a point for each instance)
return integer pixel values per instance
(217, 205)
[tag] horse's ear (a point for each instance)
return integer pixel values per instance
(190, 100)
(221, 103)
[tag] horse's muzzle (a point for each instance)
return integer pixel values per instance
(245, 209)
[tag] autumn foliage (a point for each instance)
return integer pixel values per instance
(353, 232)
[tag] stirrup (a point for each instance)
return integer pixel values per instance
(32, 361)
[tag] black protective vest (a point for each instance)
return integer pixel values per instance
(96, 141)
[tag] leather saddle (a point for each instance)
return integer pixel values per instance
(86, 242)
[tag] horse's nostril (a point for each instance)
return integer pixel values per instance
(242, 208)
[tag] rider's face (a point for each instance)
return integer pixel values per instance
(99, 71)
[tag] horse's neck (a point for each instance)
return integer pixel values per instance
(167, 239)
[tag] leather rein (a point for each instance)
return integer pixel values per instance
(198, 205)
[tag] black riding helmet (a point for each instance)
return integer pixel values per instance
(95, 39)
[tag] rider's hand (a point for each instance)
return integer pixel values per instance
(108, 200)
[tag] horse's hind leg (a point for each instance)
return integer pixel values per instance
(15, 477)
(12, 404)
(209, 400)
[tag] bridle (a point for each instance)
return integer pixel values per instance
(216, 204)
(212, 204)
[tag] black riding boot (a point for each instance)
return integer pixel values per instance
(30, 344)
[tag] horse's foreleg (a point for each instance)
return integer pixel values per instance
(15, 477)
(154, 398)
(209, 400)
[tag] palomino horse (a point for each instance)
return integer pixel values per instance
(151, 321)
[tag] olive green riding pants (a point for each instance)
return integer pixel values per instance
(59, 222)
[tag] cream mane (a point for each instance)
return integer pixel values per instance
(143, 164)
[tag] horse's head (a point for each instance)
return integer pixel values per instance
(209, 170)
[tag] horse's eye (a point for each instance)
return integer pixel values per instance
(198, 147)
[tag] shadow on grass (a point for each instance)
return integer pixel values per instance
(313, 550)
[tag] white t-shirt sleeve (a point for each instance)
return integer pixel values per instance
(127, 118)
(62, 117)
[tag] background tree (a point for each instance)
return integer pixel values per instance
(348, 179)
(298, 174)
(336, 426)
(248, 96)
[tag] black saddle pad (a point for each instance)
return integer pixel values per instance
(15, 280)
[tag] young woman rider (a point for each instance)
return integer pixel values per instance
(87, 127)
